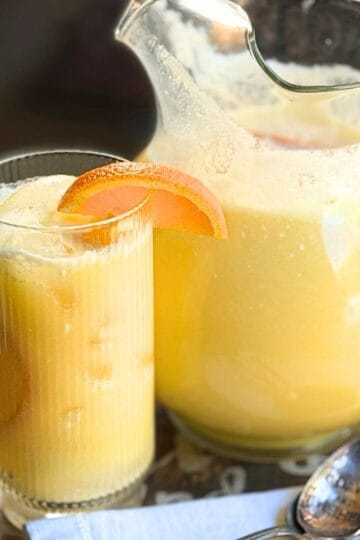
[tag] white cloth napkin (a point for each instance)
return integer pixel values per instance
(223, 518)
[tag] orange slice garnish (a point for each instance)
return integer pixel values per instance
(179, 202)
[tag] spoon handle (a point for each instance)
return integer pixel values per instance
(272, 532)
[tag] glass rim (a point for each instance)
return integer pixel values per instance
(123, 216)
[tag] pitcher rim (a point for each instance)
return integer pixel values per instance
(130, 15)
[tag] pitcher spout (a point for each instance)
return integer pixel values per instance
(177, 41)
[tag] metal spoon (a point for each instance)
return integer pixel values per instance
(329, 503)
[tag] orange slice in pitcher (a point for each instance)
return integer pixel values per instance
(179, 202)
(14, 384)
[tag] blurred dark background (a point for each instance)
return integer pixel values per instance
(66, 82)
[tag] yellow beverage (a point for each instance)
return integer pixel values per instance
(76, 352)
(258, 337)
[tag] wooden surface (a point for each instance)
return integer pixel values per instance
(183, 472)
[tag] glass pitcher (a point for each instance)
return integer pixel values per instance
(258, 336)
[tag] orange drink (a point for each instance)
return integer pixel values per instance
(257, 337)
(76, 346)
(76, 314)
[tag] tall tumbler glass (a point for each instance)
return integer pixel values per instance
(76, 353)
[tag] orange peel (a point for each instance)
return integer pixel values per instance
(179, 201)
